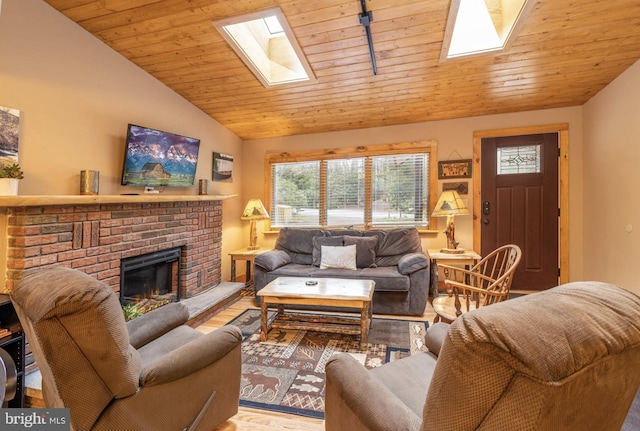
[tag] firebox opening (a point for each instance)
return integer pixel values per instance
(151, 280)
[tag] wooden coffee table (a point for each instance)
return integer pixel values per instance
(328, 292)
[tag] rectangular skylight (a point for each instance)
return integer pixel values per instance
(265, 42)
(481, 26)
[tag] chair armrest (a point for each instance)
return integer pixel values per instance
(456, 269)
(351, 391)
(484, 289)
(156, 323)
(456, 273)
(272, 259)
(412, 262)
(191, 357)
(434, 337)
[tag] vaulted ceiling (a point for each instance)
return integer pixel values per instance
(566, 51)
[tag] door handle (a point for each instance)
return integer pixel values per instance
(485, 221)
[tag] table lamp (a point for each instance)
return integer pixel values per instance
(450, 205)
(254, 211)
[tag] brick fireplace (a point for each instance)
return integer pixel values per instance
(95, 235)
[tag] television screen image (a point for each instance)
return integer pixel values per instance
(154, 158)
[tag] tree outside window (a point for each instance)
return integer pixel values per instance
(383, 189)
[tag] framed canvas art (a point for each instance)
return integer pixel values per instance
(222, 167)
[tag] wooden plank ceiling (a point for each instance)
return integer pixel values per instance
(565, 53)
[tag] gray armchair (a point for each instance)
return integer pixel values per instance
(153, 373)
(563, 359)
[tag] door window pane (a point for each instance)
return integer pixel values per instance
(519, 160)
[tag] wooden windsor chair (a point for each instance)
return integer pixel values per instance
(488, 282)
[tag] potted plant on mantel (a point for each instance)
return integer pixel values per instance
(10, 174)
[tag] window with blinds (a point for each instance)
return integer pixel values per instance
(295, 188)
(384, 189)
(399, 192)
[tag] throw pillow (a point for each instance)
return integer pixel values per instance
(365, 250)
(338, 257)
(319, 241)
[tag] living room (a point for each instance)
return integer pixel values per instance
(76, 97)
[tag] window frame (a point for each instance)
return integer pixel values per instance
(430, 147)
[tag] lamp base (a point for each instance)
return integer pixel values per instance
(253, 247)
(452, 250)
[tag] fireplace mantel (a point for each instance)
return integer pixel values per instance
(47, 200)
(93, 233)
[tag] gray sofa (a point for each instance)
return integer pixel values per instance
(394, 259)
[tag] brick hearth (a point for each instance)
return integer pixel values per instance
(94, 237)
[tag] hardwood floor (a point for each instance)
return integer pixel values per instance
(260, 420)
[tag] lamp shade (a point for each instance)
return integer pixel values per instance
(254, 210)
(450, 204)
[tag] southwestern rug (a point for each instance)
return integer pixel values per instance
(286, 373)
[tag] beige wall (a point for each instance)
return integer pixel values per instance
(76, 97)
(455, 141)
(612, 197)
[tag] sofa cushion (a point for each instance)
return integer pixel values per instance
(412, 262)
(387, 279)
(343, 257)
(298, 243)
(393, 244)
(319, 241)
(272, 259)
(342, 232)
(294, 270)
(365, 249)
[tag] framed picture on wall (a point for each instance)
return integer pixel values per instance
(222, 167)
(454, 169)
(9, 127)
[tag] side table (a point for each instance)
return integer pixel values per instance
(249, 256)
(468, 259)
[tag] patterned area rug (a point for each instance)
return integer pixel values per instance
(286, 373)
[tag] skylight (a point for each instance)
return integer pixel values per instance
(273, 25)
(265, 42)
(480, 26)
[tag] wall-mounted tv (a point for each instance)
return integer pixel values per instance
(154, 158)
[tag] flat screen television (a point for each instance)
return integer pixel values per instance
(154, 158)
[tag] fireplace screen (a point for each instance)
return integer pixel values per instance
(150, 280)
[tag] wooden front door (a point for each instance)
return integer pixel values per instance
(519, 204)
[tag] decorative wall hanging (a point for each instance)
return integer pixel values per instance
(454, 169)
(9, 128)
(222, 167)
(10, 172)
(461, 187)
